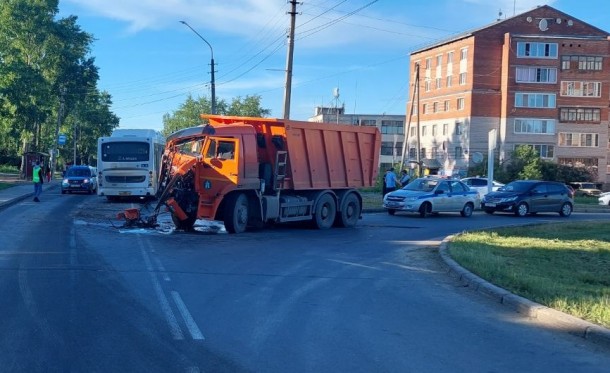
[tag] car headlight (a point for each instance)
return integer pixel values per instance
(86, 181)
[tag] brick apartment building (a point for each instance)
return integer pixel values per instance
(540, 78)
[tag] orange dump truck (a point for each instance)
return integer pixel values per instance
(247, 172)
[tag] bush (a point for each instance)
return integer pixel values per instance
(9, 169)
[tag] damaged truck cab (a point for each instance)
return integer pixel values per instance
(247, 172)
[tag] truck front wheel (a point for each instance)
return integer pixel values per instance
(236, 213)
(326, 211)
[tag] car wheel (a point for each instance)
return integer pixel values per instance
(63, 191)
(566, 210)
(489, 211)
(425, 209)
(467, 210)
(391, 212)
(521, 209)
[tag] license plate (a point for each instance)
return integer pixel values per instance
(124, 193)
(490, 205)
(392, 204)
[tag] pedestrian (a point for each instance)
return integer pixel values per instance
(48, 173)
(404, 178)
(390, 180)
(38, 179)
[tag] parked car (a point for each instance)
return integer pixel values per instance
(524, 197)
(585, 189)
(430, 195)
(79, 179)
(480, 185)
(604, 199)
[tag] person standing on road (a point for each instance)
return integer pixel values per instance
(390, 181)
(48, 173)
(38, 179)
(404, 177)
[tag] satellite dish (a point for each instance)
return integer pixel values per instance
(477, 157)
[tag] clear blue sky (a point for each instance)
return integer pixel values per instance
(149, 62)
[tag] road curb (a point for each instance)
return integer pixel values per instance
(544, 315)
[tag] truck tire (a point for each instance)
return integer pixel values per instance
(184, 225)
(236, 213)
(325, 211)
(350, 211)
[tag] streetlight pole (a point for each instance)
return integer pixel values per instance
(213, 83)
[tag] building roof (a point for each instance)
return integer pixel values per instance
(467, 34)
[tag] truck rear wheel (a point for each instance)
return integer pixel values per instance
(236, 213)
(326, 211)
(350, 211)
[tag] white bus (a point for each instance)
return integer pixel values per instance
(128, 163)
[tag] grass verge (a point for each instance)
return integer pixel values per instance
(565, 267)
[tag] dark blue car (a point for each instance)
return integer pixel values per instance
(524, 197)
(79, 179)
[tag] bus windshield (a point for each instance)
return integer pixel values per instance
(126, 151)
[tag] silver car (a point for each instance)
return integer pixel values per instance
(428, 195)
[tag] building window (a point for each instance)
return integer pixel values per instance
(412, 153)
(424, 108)
(529, 125)
(438, 83)
(439, 60)
(434, 130)
(544, 151)
(588, 140)
(458, 128)
(536, 50)
(392, 127)
(445, 129)
(428, 63)
(581, 89)
(463, 54)
(449, 57)
(462, 78)
(412, 132)
(459, 154)
(427, 85)
(391, 148)
(536, 74)
(535, 100)
(446, 105)
(569, 114)
(460, 103)
(448, 81)
(368, 122)
(581, 63)
(434, 107)
(422, 153)
(424, 130)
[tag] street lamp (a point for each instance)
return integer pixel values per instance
(211, 64)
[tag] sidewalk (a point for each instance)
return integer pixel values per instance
(22, 190)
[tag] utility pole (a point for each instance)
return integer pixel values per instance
(405, 147)
(288, 88)
(419, 114)
(212, 81)
(60, 113)
(75, 125)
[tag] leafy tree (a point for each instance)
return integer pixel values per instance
(188, 114)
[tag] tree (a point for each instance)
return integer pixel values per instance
(188, 114)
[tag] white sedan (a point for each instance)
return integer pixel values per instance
(480, 185)
(604, 199)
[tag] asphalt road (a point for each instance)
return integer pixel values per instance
(80, 294)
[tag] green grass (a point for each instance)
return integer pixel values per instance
(564, 267)
(8, 169)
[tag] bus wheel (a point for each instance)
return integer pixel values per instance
(350, 211)
(236, 213)
(325, 212)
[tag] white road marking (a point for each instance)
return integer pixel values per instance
(163, 302)
(186, 315)
(162, 269)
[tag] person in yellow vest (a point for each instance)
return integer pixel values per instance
(38, 179)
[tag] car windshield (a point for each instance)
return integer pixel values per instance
(588, 186)
(422, 185)
(78, 172)
(517, 186)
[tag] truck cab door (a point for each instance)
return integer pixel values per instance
(222, 155)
